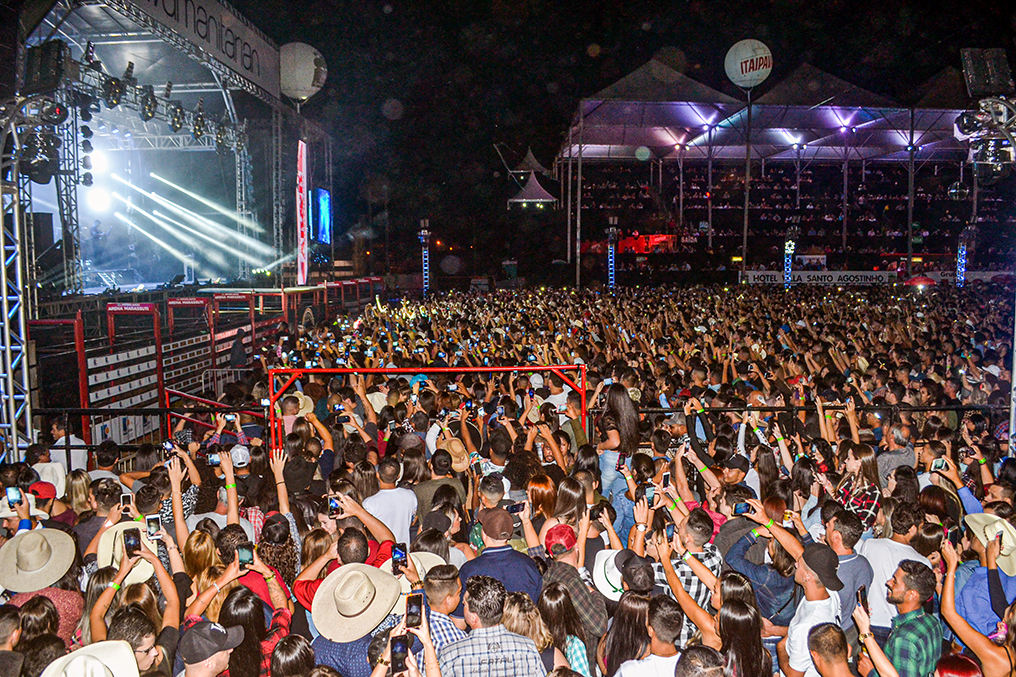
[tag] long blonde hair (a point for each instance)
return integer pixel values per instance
(199, 553)
(97, 584)
(142, 595)
(204, 581)
(523, 618)
(316, 543)
(77, 491)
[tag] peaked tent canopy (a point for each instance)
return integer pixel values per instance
(533, 193)
(530, 164)
(810, 114)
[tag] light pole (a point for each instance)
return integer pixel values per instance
(425, 245)
(789, 247)
(612, 233)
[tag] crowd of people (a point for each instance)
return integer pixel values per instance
(737, 483)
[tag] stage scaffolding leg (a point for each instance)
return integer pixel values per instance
(578, 202)
(568, 194)
(846, 175)
(67, 199)
(911, 151)
(15, 402)
(278, 202)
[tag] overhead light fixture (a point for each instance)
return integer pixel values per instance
(198, 128)
(89, 55)
(86, 179)
(112, 92)
(86, 146)
(53, 113)
(86, 132)
(148, 103)
(221, 140)
(39, 157)
(174, 110)
(168, 91)
(128, 74)
(86, 162)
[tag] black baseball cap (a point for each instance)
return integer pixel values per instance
(205, 639)
(821, 559)
(737, 462)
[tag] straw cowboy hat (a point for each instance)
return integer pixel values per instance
(7, 511)
(111, 550)
(113, 658)
(457, 450)
(984, 527)
(353, 600)
(35, 559)
(306, 404)
(424, 561)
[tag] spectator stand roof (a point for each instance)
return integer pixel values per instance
(659, 109)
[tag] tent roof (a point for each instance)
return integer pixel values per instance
(946, 89)
(810, 115)
(533, 192)
(811, 86)
(660, 80)
(530, 164)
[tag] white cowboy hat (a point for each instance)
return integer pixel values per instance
(424, 561)
(35, 559)
(985, 526)
(7, 511)
(111, 550)
(113, 658)
(606, 576)
(306, 404)
(352, 601)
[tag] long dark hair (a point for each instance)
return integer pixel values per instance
(628, 636)
(740, 629)
(620, 406)
(242, 607)
(292, 657)
(560, 616)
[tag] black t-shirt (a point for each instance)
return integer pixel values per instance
(167, 641)
(593, 546)
(554, 472)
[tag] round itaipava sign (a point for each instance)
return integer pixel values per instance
(748, 63)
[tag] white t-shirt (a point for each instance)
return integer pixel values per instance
(79, 456)
(560, 400)
(650, 666)
(808, 615)
(395, 508)
(884, 555)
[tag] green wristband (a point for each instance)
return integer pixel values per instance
(769, 525)
(982, 461)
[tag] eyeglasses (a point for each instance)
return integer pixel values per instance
(145, 652)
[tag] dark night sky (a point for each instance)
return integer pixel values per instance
(466, 74)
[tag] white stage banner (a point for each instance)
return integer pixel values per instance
(835, 278)
(221, 32)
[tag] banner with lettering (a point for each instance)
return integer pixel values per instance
(836, 278)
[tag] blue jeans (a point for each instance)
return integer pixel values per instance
(770, 644)
(610, 479)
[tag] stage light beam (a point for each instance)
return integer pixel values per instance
(208, 203)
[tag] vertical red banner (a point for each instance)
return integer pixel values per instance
(301, 214)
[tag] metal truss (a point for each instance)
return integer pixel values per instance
(245, 203)
(67, 180)
(15, 402)
(278, 202)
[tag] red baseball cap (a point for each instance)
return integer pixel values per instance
(560, 539)
(43, 490)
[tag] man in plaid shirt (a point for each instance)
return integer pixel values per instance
(489, 650)
(561, 544)
(443, 589)
(915, 643)
(693, 535)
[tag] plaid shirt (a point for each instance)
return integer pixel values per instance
(442, 633)
(915, 644)
(491, 652)
(696, 588)
(589, 605)
(864, 501)
(278, 629)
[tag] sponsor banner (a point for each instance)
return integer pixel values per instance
(187, 302)
(949, 276)
(130, 308)
(235, 296)
(301, 214)
(221, 32)
(836, 278)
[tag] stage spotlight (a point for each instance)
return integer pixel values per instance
(86, 162)
(112, 92)
(89, 55)
(53, 113)
(198, 128)
(128, 74)
(175, 111)
(168, 91)
(86, 146)
(99, 200)
(86, 132)
(85, 115)
(148, 103)
(39, 157)
(220, 137)
(86, 179)
(100, 162)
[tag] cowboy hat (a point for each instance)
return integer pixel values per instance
(111, 550)
(113, 658)
(7, 511)
(35, 559)
(457, 450)
(352, 601)
(424, 561)
(306, 404)
(606, 575)
(985, 527)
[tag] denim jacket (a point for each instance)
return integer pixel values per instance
(775, 593)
